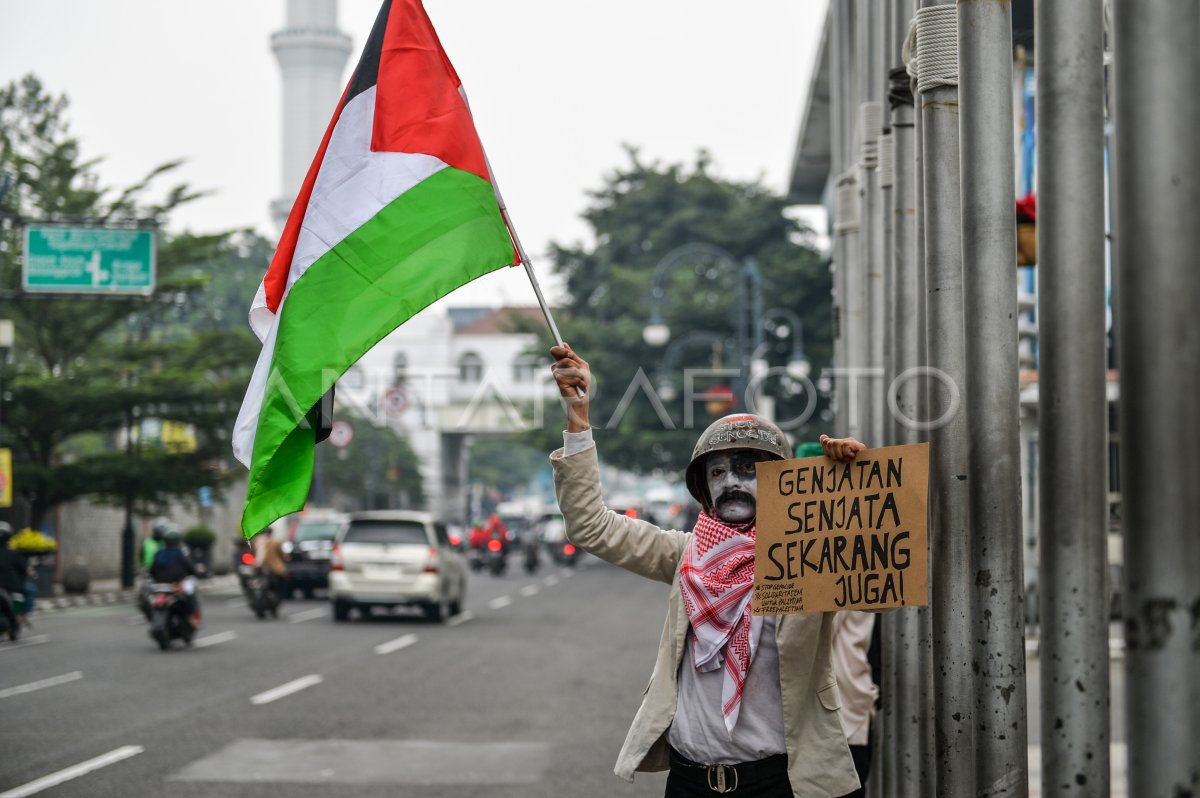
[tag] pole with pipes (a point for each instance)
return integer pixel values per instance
(989, 262)
(1072, 407)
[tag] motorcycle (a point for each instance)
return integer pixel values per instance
(495, 557)
(11, 606)
(170, 614)
(565, 553)
(261, 595)
(531, 559)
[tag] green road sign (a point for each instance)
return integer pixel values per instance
(88, 260)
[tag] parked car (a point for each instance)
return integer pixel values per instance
(309, 547)
(389, 558)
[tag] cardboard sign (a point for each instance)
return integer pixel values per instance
(843, 536)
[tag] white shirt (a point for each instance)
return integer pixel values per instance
(698, 730)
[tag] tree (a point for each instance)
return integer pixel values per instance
(89, 378)
(377, 470)
(641, 213)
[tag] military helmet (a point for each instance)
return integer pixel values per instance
(738, 431)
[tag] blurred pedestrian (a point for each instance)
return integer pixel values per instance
(853, 632)
(737, 702)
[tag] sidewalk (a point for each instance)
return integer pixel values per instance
(109, 591)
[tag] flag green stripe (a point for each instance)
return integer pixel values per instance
(437, 236)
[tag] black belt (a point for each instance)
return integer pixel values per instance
(727, 778)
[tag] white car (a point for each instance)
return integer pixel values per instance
(389, 558)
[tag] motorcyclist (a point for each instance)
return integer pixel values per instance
(477, 537)
(172, 566)
(270, 560)
(150, 547)
(12, 580)
(152, 544)
(496, 529)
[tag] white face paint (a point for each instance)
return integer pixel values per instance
(732, 484)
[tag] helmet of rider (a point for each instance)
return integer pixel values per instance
(172, 537)
(6, 532)
(737, 431)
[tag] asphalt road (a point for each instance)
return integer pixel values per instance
(528, 693)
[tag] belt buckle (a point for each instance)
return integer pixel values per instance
(718, 781)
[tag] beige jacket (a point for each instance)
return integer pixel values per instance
(819, 762)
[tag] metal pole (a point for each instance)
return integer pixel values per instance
(870, 21)
(989, 262)
(886, 755)
(924, 708)
(848, 230)
(950, 522)
(1157, 80)
(1072, 409)
(906, 704)
(838, 135)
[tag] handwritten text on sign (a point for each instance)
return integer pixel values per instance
(839, 536)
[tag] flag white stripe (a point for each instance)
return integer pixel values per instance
(352, 186)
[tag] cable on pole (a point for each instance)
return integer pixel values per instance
(936, 44)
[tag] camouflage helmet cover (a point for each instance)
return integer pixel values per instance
(738, 431)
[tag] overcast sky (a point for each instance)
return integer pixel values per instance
(556, 88)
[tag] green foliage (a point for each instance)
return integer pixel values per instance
(642, 213)
(85, 374)
(507, 463)
(199, 537)
(378, 470)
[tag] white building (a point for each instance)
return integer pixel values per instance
(446, 376)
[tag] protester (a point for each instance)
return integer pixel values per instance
(737, 701)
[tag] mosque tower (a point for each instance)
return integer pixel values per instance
(312, 54)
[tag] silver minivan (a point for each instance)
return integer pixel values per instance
(389, 558)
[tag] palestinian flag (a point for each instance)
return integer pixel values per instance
(398, 209)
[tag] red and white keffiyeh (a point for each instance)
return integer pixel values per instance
(717, 579)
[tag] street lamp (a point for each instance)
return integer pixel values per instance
(798, 367)
(664, 387)
(747, 316)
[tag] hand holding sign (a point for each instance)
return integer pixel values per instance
(842, 535)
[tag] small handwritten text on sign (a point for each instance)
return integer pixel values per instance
(841, 536)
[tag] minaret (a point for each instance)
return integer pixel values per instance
(312, 53)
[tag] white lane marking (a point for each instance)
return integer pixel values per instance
(395, 645)
(566, 574)
(41, 684)
(499, 601)
(308, 615)
(73, 772)
(461, 618)
(36, 640)
(550, 581)
(212, 640)
(294, 686)
(529, 590)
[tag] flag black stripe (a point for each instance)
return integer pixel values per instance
(367, 72)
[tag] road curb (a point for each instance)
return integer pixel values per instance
(122, 596)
